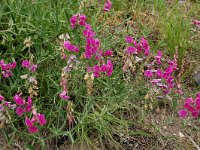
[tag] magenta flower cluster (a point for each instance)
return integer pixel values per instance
(136, 48)
(191, 106)
(92, 47)
(36, 118)
(28, 65)
(70, 47)
(107, 5)
(26, 106)
(6, 68)
(162, 78)
(105, 68)
(77, 19)
(23, 106)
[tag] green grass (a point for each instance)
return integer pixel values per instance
(117, 101)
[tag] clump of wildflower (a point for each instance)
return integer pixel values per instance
(92, 47)
(107, 5)
(26, 106)
(162, 79)
(7, 68)
(191, 106)
(22, 105)
(36, 118)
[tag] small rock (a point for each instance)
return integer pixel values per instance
(164, 127)
(197, 77)
(181, 135)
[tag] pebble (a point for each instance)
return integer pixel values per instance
(197, 77)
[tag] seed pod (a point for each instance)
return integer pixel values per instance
(146, 96)
(3, 119)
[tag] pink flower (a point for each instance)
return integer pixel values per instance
(188, 104)
(96, 68)
(110, 68)
(7, 67)
(41, 119)
(107, 5)
(159, 73)
(82, 21)
(131, 50)
(33, 68)
(29, 101)
(129, 39)
(82, 17)
(19, 111)
(67, 44)
(63, 95)
(28, 122)
(18, 100)
(145, 46)
(32, 129)
(2, 108)
(73, 21)
(108, 53)
(158, 57)
(28, 107)
(168, 72)
(147, 52)
(26, 64)
(196, 22)
(104, 68)
(96, 74)
(88, 33)
(13, 65)
(148, 73)
(195, 114)
(183, 113)
(1, 98)
(70, 47)
(6, 73)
